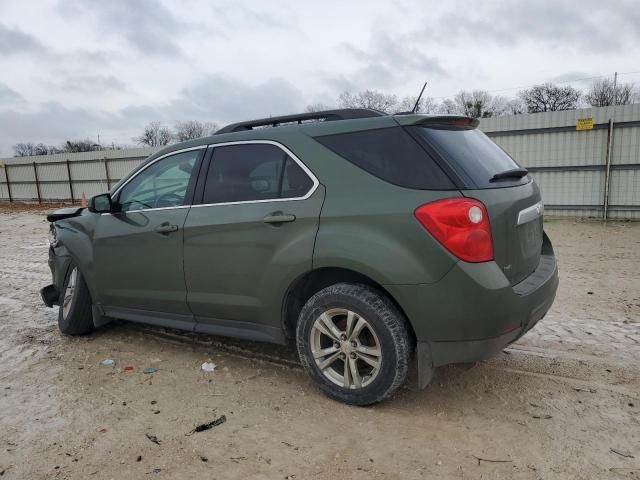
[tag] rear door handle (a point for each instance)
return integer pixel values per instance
(278, 218)
(166, 228)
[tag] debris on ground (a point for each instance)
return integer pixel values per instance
(108, 362)
(128, 369)
(208, 367)
(479, 459)
(544, 417)
(208, 426)
(153, 438)
(149, 370)
(203, 458)
(621, 453)
(102, 430)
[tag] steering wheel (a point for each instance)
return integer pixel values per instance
(169, 200)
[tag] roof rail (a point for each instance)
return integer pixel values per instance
(326, 115)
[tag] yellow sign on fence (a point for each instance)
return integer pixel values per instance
(584, 123)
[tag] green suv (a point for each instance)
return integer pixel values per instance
(371, 241)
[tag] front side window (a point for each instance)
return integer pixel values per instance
(161, 185)
(251, 172)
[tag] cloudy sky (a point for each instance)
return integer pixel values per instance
(76, 69)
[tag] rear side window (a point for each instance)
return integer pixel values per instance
(391, 155)
(251, 172)
(471, 154)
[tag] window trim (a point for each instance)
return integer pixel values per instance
(208, 159)
(162, 157)
(304, 168)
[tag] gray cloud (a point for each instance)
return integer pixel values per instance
(224, 100)
(212, 98)
(92, 83)
(596, 25)
(386, 59)
(146, 25)
(15, 42)
(10, 98)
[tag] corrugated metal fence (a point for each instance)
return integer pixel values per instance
(572, 167)
(65, 177)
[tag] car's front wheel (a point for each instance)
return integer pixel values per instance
(354, 343)
(74, 316)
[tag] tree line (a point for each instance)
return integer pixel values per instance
(546, 97)
(154, 135)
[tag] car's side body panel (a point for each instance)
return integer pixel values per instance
(138, 267)
(238, 268)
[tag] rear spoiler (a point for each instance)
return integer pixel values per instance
(62, 213)
(443, 121)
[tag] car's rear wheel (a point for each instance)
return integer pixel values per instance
(354, 343)
(74, 316)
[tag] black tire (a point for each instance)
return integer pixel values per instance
(388, 325)
(78, 319)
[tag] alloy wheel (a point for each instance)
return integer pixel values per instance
(69, 291)
(346, 348)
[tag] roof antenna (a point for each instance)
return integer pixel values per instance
(415, 107)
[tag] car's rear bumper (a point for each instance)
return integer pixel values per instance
(473, 312)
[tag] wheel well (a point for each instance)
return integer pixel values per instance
(304, 287)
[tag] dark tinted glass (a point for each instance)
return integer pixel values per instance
(240, 173)
(472, 155)
(390, 154)
(295, 182)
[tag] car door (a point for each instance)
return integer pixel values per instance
(250, 236)
(138, 251)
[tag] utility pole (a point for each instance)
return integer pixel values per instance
(607, 170)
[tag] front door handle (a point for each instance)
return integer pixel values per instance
(277, 218)
(165, 228)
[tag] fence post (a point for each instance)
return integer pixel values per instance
(6, 175)
(607, 168)
(106, 172)
(607, 171)
(35, 175)
(70, 182)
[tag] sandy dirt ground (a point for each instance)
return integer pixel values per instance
(562, 402)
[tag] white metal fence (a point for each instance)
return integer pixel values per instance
(572, 167)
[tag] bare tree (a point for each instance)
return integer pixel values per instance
(155, 135)
(448, 107)
(317, 107)
(194, 129)
(548, 97)
(602, 93)
(514, 106)
(426, 105)
(368, 99)
(75, 146)
(28, 149)
(479, 104)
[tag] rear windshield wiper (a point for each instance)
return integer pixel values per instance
(515, 173)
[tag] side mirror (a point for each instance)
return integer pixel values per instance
(101, 203)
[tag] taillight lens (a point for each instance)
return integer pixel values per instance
(461, 225)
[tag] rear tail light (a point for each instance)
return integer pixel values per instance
(461, 225)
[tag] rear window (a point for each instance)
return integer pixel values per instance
(471, 154)
(391, 155)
